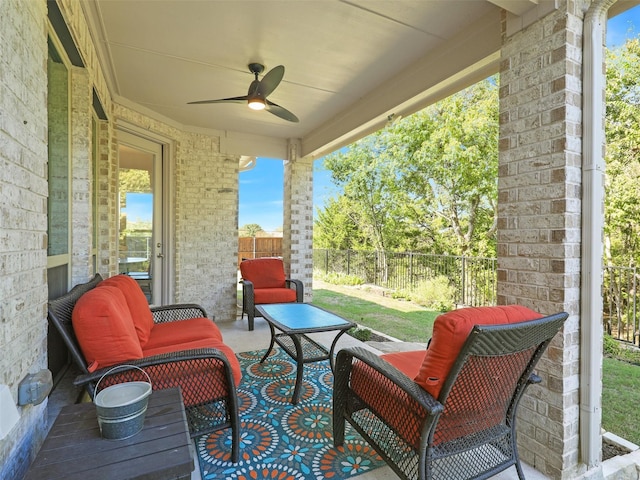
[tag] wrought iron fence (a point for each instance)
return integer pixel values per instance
(475, 283)
(474, 278)
(620, 303)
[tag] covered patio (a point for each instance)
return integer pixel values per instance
(81, 78)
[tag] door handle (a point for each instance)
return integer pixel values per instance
(160, 255)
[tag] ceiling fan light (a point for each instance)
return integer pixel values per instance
(256, 103)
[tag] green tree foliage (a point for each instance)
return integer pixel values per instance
(250, 230)
(336, 226)
(367, 174)
(622, 198)
(427, 183)
(133, 180)
(450, 170)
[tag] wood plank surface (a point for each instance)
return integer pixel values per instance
(74, 448)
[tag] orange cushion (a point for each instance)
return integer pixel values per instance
(137, 303)
(104, 328)
(390, 402)
(202, 343)
(263, 272)
(274, 295)
(171, 333)
(451, 330)
(407, 362)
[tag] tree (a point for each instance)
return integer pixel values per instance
(133, 180)
(250, 230)
(366, 173)
(427, 183)
(622, 195)
(336, 226)
(449, 169)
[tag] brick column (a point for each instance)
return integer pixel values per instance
(81, 171)
(297, 244)
(539, 234)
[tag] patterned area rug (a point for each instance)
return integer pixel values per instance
(279, 440)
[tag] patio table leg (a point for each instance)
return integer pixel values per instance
(333, 347)
(299, 368)
(273, 340)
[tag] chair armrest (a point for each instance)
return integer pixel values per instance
(248, 297)
(178, 311)
(344, 363)
(166, 370)
(298, 287)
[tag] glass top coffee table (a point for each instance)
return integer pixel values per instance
(295, 321)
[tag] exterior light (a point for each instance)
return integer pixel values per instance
(256, 103)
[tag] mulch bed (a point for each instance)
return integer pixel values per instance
(610, 450)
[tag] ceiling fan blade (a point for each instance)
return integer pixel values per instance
(281, 112)
(271, 80)
(242, 99)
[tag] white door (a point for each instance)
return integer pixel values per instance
(140, 246)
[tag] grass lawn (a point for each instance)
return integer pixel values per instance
(400, 319)
(413, 323)
(621, 398)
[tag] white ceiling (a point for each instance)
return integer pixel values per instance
(349, 63)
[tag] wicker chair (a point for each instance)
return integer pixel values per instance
(204, 375)
(468, 432)
(263, 281)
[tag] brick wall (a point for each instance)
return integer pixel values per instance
(539, 219)
(23, 219)
(297, 248)
(82, 171)
(206, 226)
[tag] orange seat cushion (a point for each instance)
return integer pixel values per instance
(450, 331)
(137, 302)
(200, 343)
(183, 331)
(264, 272)
(390, 402)
(104, 328)
(408, 363)
(274, 295)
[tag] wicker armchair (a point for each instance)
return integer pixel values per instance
(468, 431)
(263, 281)
(204, 375)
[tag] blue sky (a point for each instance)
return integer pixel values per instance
(261, 192)
(261, 188)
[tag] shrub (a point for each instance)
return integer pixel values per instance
(435, 293)
(360, 333)
(611, 347)
(339, 278)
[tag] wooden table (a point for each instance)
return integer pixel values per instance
(295, 320)
(74, 448)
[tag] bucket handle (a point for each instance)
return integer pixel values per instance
(111, 370)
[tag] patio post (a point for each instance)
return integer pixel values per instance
(297, 241)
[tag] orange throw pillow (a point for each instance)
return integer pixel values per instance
(104, 328)
(264, 272)
(451, 330)
(137, 302)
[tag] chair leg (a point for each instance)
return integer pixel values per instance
(338, 430)
(235, 443)
(250, 318)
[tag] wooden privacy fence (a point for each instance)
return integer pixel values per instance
(257, 247)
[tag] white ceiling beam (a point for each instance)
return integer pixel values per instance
(517, 7)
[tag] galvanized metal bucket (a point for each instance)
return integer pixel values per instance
(121, 408)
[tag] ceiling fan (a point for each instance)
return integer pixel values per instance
(259, 90)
